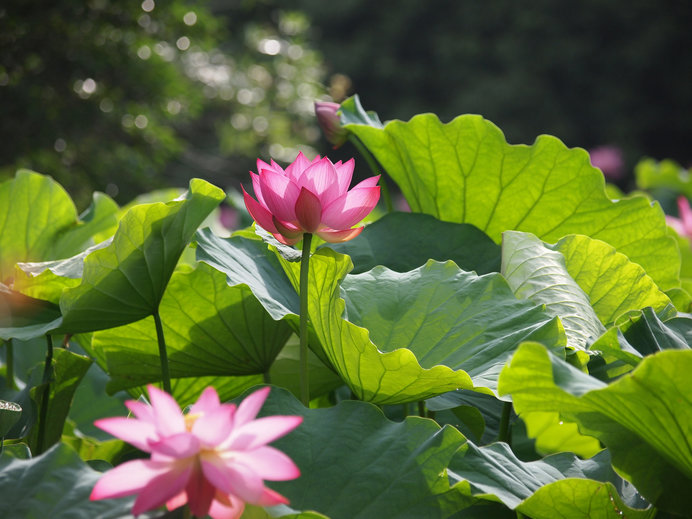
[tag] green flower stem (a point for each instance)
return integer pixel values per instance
(376, 169)
(9, 357)
(421, 408)
(163, 356)
(266, 377)
(43, 412)
(503, 434)
(304, 276)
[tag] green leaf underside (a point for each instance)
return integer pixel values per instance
(38, 221)
(561, 485)
(352, 112)
(55, 485)
(23, 317)
(34, 209)
(465, 172)
(124, 282)
(96, 224)
(644, 418)
(436, 311)
(536, 273)
(210, 329)
(404, 241)
(48, 279)
(365, 465)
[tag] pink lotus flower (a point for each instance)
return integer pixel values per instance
(609, 160)
(330, 122)
(310, 197)
(214, 458)
(682, 225)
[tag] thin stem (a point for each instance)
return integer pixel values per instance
(421, 408)
(384, 190)
(163, 356)
(43, 412)
(267, 377)
(304, 270)
(9, 357)
(503, 434)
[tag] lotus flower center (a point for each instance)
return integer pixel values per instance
(190, 420)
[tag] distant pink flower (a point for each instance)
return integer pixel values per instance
(609, 160)
(682, 225)
(330, 122)
(310, 197)
(213, 458)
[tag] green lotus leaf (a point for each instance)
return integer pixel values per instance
(68, 370)
(10, 413)
(644, 418)
(667, 174)
(356, 463)
(47, 280)
(187, 390)
(560, 485)
(23, 317)
(399, 337)
(623, 347)
(38, 221)
(56, 484)
(404, 241)
(615, 285)
(465, 172)
(211, 329)
(248, 261)
(124, 282)
(96, 224)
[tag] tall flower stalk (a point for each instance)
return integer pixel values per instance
(303, 291)
(309, 197)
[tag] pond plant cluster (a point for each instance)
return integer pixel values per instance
(517, 345)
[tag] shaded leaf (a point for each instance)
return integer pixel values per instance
(56, 484)
(644, 418)
(561, 485)
(23, 317)
(210, 329)
(357, 464)
(68, 369)
(249, 262)
(404, 241)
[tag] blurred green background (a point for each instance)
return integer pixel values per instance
(125, 97)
